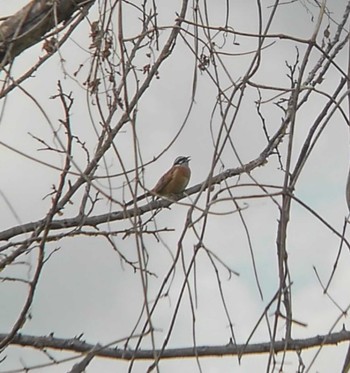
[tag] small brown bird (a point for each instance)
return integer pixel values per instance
(173, 182)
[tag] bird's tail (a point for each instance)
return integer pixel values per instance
(138, 198)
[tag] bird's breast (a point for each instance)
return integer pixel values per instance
(180, 178)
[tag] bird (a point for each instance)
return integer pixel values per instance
(172, 183)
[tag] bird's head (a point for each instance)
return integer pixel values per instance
(179, 161)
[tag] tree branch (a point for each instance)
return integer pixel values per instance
(123, 214)
(27, 27)
(78, 346)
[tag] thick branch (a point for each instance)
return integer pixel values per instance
(94, 221)
(31, 23)
(78, 346)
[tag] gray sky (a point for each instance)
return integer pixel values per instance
(85, 288)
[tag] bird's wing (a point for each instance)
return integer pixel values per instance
(163, 182)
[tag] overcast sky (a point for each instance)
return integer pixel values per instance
(86, 289)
